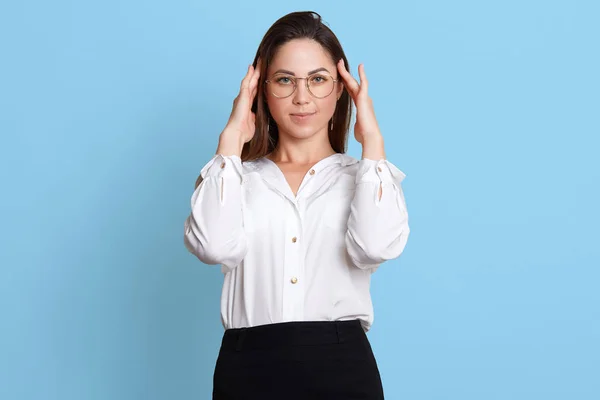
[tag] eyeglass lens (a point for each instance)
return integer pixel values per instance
(319, 85)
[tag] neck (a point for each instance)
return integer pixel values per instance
(301, 151)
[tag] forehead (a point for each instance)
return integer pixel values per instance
(301, 56)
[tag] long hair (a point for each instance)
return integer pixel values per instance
(296, 25)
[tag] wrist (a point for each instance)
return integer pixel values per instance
(373, 147)
(231, 143)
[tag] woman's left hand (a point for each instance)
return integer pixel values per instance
(366, 124)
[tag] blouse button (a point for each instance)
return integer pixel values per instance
(294, 239)
(223, 165)
(379, 169)
(294, 280)
(312, 172)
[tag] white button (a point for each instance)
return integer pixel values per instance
(294, 280)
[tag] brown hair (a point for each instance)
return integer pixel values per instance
(296, 25)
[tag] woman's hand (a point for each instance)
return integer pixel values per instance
(242, 119)
(366, 129)
(241, 125)
(366, 123)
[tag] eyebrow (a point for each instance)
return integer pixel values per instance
(314, 71)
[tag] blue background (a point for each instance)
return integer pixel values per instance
(109, 109)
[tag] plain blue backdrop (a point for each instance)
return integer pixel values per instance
(109, 109)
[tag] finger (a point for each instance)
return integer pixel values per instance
(364, 83)
(253, 79)
(246, 79)
(254, 83)
(351, 83)
(346, 77)
(256, 74)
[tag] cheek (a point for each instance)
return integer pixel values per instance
(327, 106)
(276, 106)
(279, 108)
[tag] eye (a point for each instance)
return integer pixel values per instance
(319, 79)
(284, 80)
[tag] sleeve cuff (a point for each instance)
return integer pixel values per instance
(381, 171)
(222, 167)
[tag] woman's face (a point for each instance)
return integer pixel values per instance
(301, 115)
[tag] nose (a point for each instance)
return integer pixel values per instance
(301, 94)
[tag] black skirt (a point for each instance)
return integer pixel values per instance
(297, 360)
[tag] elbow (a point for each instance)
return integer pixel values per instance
(370, 252)
(395, 248)
(227, 253)
(206, 254)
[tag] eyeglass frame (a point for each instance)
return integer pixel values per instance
(306, 84)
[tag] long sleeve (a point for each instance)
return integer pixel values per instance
(214, 230)
(377, 228)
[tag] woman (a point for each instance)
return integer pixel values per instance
(297, 225)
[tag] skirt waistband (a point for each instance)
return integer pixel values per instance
(294, 333)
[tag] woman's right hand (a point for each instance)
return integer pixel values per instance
(242, 119)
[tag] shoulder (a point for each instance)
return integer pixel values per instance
(347, 164)
(346, 160)
(342, 163)
(254, 166)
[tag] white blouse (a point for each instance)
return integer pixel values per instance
(307, 257)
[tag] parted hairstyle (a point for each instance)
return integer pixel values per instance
(296, 25)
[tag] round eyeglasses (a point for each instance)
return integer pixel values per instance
(319, 85)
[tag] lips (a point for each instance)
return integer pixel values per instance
(302, 118)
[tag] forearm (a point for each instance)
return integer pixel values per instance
(214, 229)
(378, 226)
(231, 143)
(373, 147)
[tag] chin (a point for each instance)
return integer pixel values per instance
(302, 132)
